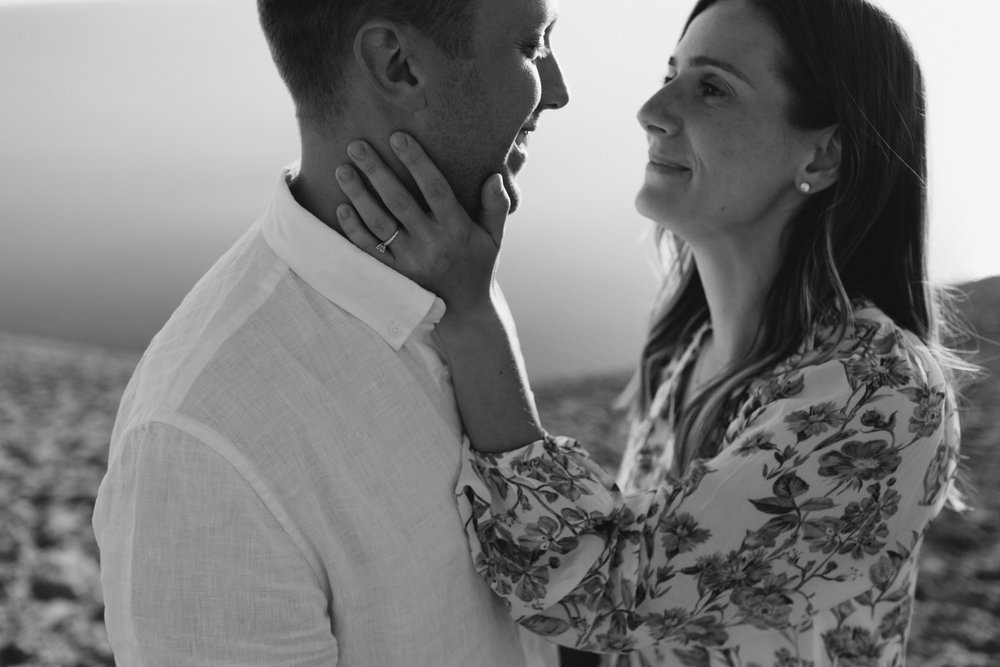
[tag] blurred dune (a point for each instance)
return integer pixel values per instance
(57, 407)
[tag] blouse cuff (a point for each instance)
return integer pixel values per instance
(545, 505)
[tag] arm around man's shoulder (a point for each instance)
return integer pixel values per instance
(196, 568)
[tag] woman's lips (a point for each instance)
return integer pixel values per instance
(661, 166)
(664, 163)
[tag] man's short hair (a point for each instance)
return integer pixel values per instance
(310, 40)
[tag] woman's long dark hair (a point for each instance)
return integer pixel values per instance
(846, 64)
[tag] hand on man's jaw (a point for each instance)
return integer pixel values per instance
(315, 185)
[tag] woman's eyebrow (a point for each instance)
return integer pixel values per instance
(702, 61)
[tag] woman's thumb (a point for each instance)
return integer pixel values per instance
(495, 206)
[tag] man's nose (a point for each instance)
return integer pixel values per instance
(555, 92)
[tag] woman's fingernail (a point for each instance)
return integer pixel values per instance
(356, 149)
(343, 211)
(344, 174)
(399, 141)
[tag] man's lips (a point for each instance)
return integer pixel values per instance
(526, 129)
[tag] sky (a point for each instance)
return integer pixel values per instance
(139, 139)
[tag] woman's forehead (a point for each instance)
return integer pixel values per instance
(734, 32)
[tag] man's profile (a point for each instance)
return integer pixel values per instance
(280, 481)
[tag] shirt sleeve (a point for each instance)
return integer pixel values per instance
(825, 491)
(195, 569)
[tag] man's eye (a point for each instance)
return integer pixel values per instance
(535, 51)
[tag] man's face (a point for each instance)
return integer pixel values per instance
(489, 103)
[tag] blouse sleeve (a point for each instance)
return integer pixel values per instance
(823, 494)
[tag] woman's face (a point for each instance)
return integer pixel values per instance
(723, 159)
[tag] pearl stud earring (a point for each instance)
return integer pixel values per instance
(805, 188)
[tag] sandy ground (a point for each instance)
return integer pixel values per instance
(57, 407)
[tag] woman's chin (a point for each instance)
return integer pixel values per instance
(651, 205)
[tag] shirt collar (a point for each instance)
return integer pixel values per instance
(385, 300)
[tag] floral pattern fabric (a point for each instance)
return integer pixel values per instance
(795, 546)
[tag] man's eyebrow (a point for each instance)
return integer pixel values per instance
(702, 61)
(546, 20)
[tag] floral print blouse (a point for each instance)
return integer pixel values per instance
(795, 546)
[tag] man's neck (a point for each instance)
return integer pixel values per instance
(315, 186)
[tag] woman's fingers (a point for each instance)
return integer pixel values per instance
(446, 252)
(435, 188)
(394, 195)
(379, 222)
(357, 233)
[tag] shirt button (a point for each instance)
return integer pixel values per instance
(394, 330)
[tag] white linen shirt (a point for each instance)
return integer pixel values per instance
(280, 486)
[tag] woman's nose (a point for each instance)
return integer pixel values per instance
(659, 115)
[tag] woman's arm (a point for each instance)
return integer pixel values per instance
(450, 255)
(819, 504)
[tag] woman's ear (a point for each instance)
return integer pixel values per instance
(822, 167)
(390, 56)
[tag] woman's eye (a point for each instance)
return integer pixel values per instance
(710, 90)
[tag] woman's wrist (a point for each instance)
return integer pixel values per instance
(493, 398)
(472, 318)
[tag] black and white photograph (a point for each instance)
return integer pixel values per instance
(499, 333)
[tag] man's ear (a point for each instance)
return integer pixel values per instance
(391, 57)
(822, 168)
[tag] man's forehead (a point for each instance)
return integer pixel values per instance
(494, 14)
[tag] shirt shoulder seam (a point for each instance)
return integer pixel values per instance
(224, 448)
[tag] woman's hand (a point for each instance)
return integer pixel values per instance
(444, 250)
